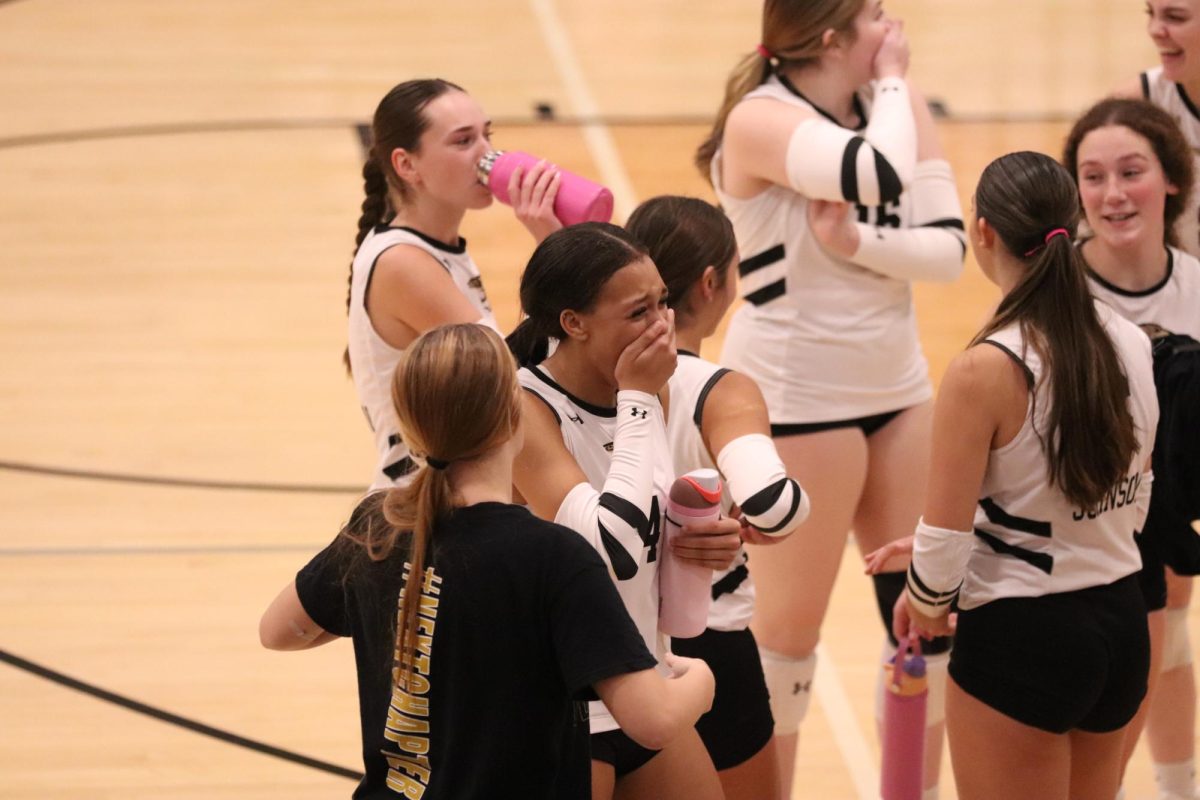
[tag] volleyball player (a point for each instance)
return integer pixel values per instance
(475, 624)
(1049, 417)
(596, 457)
(411, 270)
(827, 162)
(719, 420)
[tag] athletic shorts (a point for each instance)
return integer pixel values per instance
(868, 425)
(1152, 579)
(739, 724)
(625, 755)
(1070, 661)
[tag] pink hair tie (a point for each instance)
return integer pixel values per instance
(763, 51)
(1046, 241)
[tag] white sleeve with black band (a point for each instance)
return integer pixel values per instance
(934, 246)
(772, 502)
(828, 162)
(616, 519)
(939, 562)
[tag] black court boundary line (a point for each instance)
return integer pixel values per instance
(184, 483)
(175, 719)
(258, 125)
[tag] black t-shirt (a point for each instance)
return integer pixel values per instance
(522, 619)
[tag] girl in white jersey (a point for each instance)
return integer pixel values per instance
(411, 271)
(596, 458)
(1040, 479)
(719, 419)
(826, 160)
(1135, 177)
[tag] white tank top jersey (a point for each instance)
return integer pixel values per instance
(1173, 98)
(587, 431)
(825, 339)
(1173, 304)
(694, 378)
(1029, 539)
(373, 361)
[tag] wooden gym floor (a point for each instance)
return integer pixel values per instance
(177, 215)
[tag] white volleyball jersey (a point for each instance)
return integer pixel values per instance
(1029, 539)
(824, 339)
(694, 378)
(1173, 98)
(373, 361)
(1174, 303)
(587, 431)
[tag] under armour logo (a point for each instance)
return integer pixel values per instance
(609, 447)
(575, 419)
(639, 412)
(801, 687)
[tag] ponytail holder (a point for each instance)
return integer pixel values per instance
(436, 463)
(1048, 237)
(763, 51)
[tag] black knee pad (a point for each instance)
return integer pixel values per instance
(888, 586)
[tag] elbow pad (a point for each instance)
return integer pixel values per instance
(934, 247)
(939, 562)
(828, 162)
(772, 502)
(616, 519)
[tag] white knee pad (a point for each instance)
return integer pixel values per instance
(789, 683)
(936, 675)
(1177, 645)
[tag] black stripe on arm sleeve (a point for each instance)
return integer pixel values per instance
(628, 513)
(1145, 85)
(890, 186)
(850, 169)
(623, 565)
(768, 497)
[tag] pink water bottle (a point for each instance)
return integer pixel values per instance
(685, 590)
(578, 199)
(904, 723)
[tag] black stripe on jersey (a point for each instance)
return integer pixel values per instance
(698, 414)
(763, 500)
(927, 595)
(764, 259)
(630, 514)
(1098, 278)
(890, 187)
(1029, 379)
(1042, 561)
(948, 222)
(1145, 85)
(999, 516)
(557, 418)
(399, 468)
(850, 169)
(623, 566)
(767, 293)
(729, 584)
(599, 411)
(1187, 101)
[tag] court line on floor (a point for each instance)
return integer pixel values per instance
(856, 753)
(185, 483)
(174, 719)
(596, 134)
(159, 550)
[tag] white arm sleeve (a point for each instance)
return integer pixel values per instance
(772, 502)
(616, 520)
(934, 247)
(828, 162)
(939, 562)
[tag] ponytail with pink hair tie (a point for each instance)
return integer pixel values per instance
(1046, 240)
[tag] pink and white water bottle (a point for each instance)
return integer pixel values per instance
(685, 590)
(904, 699)
(578, 199)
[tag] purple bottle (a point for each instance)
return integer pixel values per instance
(685, 590)
(578, 200)
(904, 701)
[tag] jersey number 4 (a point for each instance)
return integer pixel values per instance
(653, 531)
